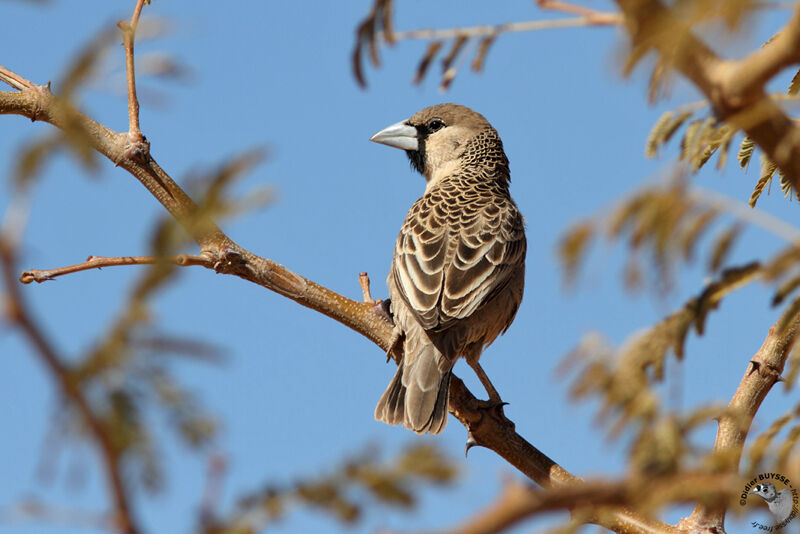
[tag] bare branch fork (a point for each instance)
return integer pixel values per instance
(733, 88)
(131, 152)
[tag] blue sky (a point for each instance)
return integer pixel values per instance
(296, 391)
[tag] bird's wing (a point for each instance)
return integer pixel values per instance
(445, 270)
(419, 262)
(485, 256)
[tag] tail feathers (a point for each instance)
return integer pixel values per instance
(417, 396)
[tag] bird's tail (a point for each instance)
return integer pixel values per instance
(417, 395)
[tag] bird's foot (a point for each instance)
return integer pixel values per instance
(488, 408)
(383, 308)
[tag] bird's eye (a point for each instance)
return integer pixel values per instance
(435, 124)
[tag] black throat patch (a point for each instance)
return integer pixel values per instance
(417, 157)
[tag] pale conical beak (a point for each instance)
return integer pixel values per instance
(399, 135)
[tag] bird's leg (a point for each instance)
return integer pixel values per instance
(494, 396)
(494, 405)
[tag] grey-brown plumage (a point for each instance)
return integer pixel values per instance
(459, 262)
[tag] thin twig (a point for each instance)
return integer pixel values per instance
(128, 37)
(745, 213)
(14, 80)
(97, 262)
(574, 9)
(511, 27)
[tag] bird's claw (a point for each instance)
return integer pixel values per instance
(471, 442)
(383, 308)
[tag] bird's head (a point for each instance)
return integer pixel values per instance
(441, 139)
(766, 491)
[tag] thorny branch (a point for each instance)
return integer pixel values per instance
(734, 88)
(489, 428)
(520, 501)
(223, 255)
(220, 253)
(762, 373)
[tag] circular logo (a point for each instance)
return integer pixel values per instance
(780, 497)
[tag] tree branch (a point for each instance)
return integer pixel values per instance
(488, 426)
(762, 373)
(521, 501)
(128, 37)
(98, 262)
(598, 19)
(19, 314)
(735, 89)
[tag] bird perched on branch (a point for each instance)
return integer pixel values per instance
(459, 262)
(779, 502)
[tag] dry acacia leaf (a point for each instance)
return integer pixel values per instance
(794, 86)
(786, 186)
(690, 138)
(793, 368)
(729, 280)
(722, 247)
(83, 66)
(759, 447)
(785, 289)
(782, 263)
(572, 249)
(714, 137)
(760, 185)
(483, 50)
(692, 230)
(789, 316)
(458, 45)
(663, 130)
(745, 151)
(659, 79)
(388, 24)
(427, 59)
(725, 144)
(704, 144)
(33, 157)
(367, 37)
(786, 447)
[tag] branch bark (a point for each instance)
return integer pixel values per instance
(488, 426)
(762, 373)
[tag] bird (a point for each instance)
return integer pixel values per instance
(779, 502)
(458, 270)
